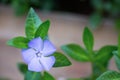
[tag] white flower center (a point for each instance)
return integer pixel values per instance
(38, 54)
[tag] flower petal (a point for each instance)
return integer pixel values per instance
(36, 43)
(48, 48)
(35, 65)
(28, 54)
(47, 62)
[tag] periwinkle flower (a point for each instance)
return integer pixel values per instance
(38, 55)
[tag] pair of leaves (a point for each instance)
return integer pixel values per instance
(33, 28)
(77, 52)
(109, 75)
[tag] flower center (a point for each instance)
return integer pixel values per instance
(38, 54)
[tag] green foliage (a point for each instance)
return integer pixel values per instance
(104, 54)
(23, 68)
(95, 20)
(61, 60)
(35, 28)
(18, 42)
(117, 60)
(47, 76)
(109, 75)
(42, 31)
(32, 24)
(33, 76)
(88, 39)
(99, 59)
(76, 52)
(19, 10)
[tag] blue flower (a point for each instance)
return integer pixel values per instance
(38, 55)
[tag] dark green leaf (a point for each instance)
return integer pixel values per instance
(18, 42)
(109, 75)
(95, 20)
(117, 59)
(61, 60)
(88, 39)
(76, 52)
(104, 54)
(47, 76)
(32, 23)
(23, 68)
(42, 31)
(33, 76)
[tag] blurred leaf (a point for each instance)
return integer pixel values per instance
(18, 42)
(32, 24)
(22, 68)
(88, 39)
(117, 24)
(42, 31)
(61, 60)
(95, 20)
(104, 54)
(33, 76)
(20, 10)
(109, 75)
(76, 52)
(117, 59)
(47, 76)
(97, 4)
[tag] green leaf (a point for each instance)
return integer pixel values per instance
(88, 39)
(95, 20)
(32, 23)
(61, 60)
(117, 59)
(23, 68)
(76, 52)
(42, 31)
(109, 75)
(33, 76)
(48, 76)
(118, 45)
(18, 42)
(105, 54)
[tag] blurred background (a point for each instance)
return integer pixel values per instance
(68, 19)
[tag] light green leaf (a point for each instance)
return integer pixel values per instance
(32, 23)
(18, 42)
(23, 68)
(61, 60)
(105, 54)
(42, 31)
(33, 76)
(109, 75)
(117, 59)
(48, 76)
(88, 39)
(76, 52)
